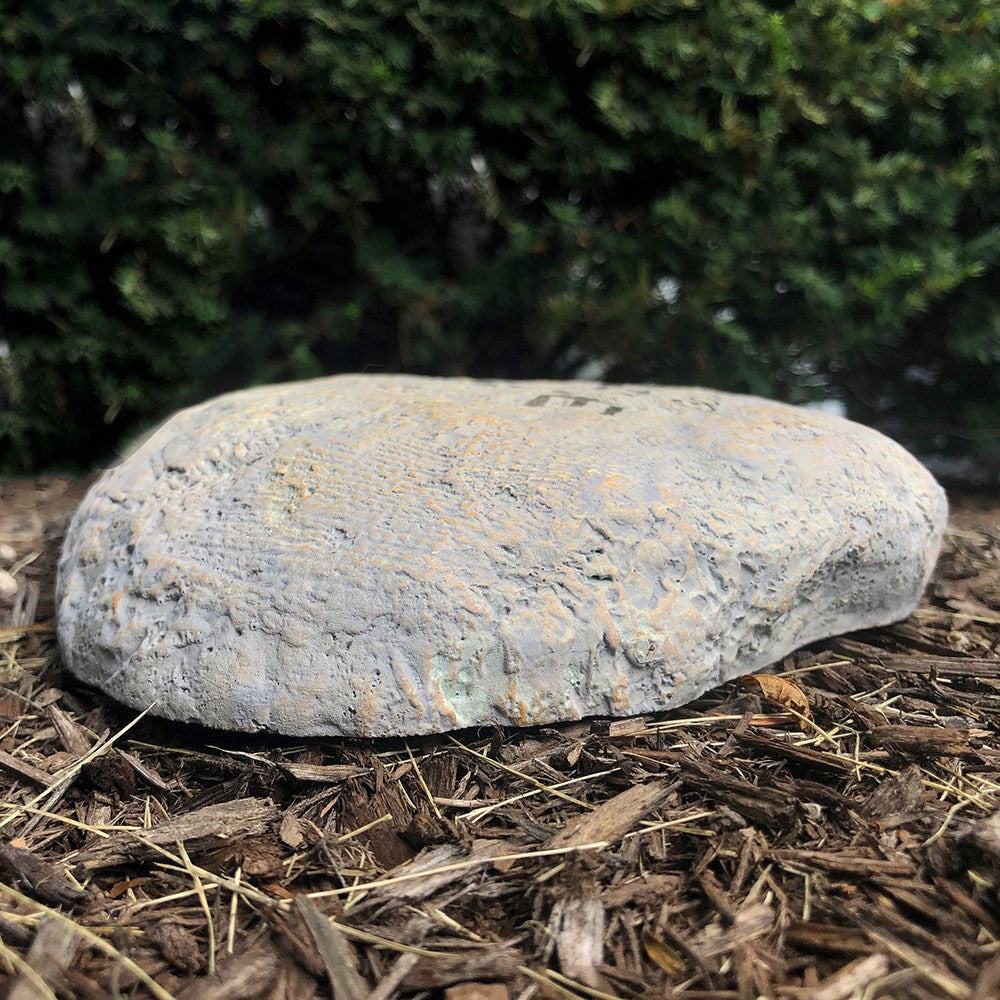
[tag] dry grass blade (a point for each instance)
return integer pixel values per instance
(840, 861)
(540, 785)
(563, 986)
(265, 902)
(13, 633)
(481, 812)
(456, 866)
(64, 778)
(394, 977)
(925, 968)
(199, 891)
(434, 869)
(423, 783)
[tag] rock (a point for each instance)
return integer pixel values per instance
(372, 556)
(7, 554)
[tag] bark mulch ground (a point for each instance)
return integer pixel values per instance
(833, 833)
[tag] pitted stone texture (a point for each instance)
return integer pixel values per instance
(370, 556)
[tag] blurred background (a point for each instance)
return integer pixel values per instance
(795, 199)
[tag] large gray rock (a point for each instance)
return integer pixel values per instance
(368, 556)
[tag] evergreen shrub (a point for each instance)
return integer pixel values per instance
(794, 198)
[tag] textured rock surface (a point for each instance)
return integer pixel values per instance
(367, 555)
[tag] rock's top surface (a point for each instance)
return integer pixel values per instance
(383, 555)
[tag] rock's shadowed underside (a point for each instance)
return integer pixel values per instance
(386, 555)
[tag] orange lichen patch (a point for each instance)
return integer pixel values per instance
(619, 694)
(475, 605)
(517, 709)
(401, 670)
(554, 620)
(522, 716)
(616, 483)
(535, 709)
(412, 695)
(367, 710)
(115, 601)
(443, 705)
(91, 548)
(612, 637)
(668, 650)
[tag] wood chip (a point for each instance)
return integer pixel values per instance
(611, 820)
(851, 980)
(898, 793)
(443, 865)
(943, 666)
(335, 951)
(398, 974)
(20, 631)
(988, 981)
(841, 861)
(577, 926)
(178, 945)
(619, 728)
(23, 770)
(51, 954)
(40, 878)
(477, 991)
(290, 831)
(18, 934)
(749, 924)
(323, 774)
(984, 837)
(760, 804)
(643, 891)
(779, 747)
(927, 741)
(247, 976)
(499, 961)
(144, 771)
(827, 939)
(71, 736)
(203, 829)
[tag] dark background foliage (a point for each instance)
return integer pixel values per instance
(799, 199)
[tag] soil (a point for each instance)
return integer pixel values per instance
(831, 831)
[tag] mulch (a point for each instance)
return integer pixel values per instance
(830, 833)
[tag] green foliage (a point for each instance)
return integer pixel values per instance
(788, 198)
